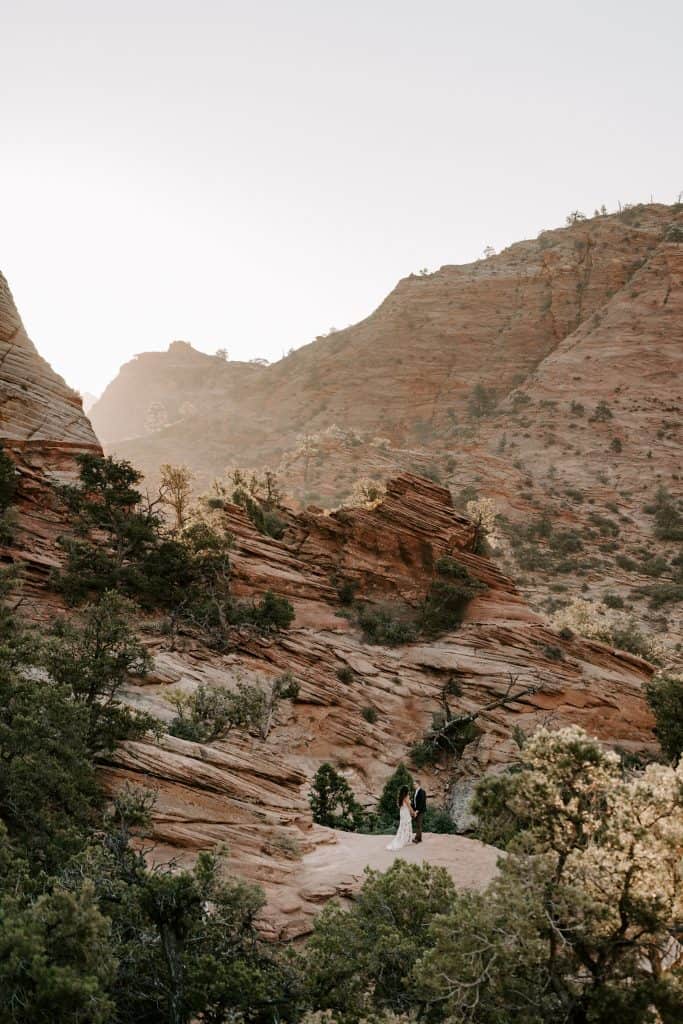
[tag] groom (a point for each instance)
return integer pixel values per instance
(419, 806)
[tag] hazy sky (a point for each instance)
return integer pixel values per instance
(249, 174)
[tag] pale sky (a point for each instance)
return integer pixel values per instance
(248, 174)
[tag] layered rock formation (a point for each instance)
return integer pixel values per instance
(43, 428)
(36, 406)
(252, 793)
(584, 318)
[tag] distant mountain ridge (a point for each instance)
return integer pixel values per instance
(548, 377)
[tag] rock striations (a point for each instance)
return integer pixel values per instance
(36, 406)
(43, 428)
(547, 377)
(251, 794)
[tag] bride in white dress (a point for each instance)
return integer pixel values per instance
(404, 835)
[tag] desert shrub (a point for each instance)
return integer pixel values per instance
(464, 496)
(346, 590)
(95, 654)
(553, 653)
(613, 601)
(273, 612)
(370, 714)
(627, 635)
(345, 674)
(626, 563)
(384, 625)
(482, 401)
(565, 542)
(665, 697)
(448, 596)
(8, 480)
(432, 473)
(606, 526)
(259, 495)
(266, 520)
(667, 516)
(664, 593)
(332, 801)
(366, 492)
(211, 713)
(602, 412)
(654, 565)
(616, 445)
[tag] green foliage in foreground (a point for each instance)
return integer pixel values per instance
(575, 928)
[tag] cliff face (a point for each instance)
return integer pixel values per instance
(43, 428)
(36, 406)
(407, 371)
(252, 793)
(547, 377)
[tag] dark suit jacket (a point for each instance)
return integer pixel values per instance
(420, 801)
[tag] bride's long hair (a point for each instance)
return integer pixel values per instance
(402, 794)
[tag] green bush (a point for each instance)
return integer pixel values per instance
(482, 401)
(95, 654)
(346, 589)
(664, 593)
(332, 801)
(8, 480)
(345, 674)
(602, 412)
(382, 625)
(665, 697)
(271, 613)
(359, 960)
(370, 714)
(668, 518)
(210, 713)
(448, 596)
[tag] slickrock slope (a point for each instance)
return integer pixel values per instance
(43, 427)
(252, 794)
(36, 405)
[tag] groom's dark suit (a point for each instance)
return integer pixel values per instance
(420, 806)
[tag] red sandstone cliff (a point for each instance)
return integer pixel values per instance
(583, 315)
(251, 793)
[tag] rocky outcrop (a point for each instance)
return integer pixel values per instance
(252, 794)
(43, 428)
(583, 317)
(36, 406)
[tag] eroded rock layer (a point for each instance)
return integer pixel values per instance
(252, 794)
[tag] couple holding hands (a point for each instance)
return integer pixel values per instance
(409, 809)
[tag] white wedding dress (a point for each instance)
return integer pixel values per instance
(404, 836)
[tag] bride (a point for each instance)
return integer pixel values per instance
(404, 836)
